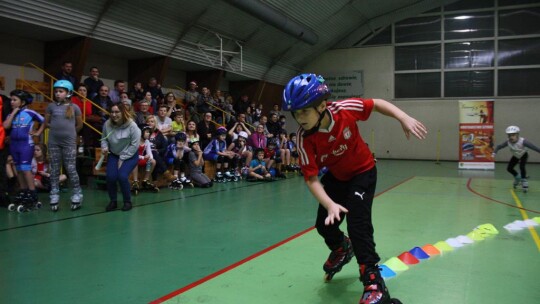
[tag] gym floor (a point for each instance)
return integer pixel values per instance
(255, 243)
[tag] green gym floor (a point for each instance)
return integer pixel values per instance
(255, 243)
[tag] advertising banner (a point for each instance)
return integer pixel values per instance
(476, 134)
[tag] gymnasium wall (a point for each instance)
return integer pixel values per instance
(384, 135)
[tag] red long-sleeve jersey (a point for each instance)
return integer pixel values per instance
(340, 148)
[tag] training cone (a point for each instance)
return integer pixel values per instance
(475, 235)
(464, 239)
(408, 258)
(396, 264)
(488, 229)
(386, 272)
(431, 250)
(454, 242)
(443, 246)
(418, 253)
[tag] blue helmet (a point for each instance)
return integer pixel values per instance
(221, 131)
(304, 91)
(24, 96)
(64, 84)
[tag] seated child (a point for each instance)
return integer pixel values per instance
(291, 144)
(178, 156)
(178, 124)
(196, 163)
(272, 157)
(257, 167)
(217, 151)
(40, 169)
(243, 152)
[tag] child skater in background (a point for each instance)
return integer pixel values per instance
(21, 122)
(40, 169)
(64, 122)
(518, 146)
(329, 137)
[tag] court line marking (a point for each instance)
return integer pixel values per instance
(497, 201)
(249, 258)
(134, 206)
(533, 232)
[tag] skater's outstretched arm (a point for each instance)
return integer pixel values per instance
(408, 123)
(530, 145)
(333, 209)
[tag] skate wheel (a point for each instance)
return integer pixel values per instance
(39, 205)
(54, 208)
(21, 209)
(328, 277)
(156, 190)
(75, 207)
(395, 301)
(12, 207)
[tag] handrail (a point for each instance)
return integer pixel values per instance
(84, 99)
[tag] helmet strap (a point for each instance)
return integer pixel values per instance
(318, 125)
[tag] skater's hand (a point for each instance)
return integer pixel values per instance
(334, 213)
(411, 125)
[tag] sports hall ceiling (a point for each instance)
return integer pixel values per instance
(269, 40)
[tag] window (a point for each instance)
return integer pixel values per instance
(468, 54)
(419, 29)
(519, 52)
(519, 22)
(519, 82)
(461, 50)
(467, 26)
(468, 84)
(418, 57)
(418, 85)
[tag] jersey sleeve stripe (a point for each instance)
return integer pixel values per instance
(300, 147)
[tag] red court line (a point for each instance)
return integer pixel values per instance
(249, 258)
(497, 201)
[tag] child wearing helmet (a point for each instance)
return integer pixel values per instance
(64, 121)
(216, 151)
(146, 160)
(196, 163)
(329, 137)
(519, 147)
(243, 152)
(21, 122)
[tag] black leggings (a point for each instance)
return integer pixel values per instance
(522, 162)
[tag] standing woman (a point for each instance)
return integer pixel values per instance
(120, 138)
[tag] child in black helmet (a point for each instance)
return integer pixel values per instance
(518, 146)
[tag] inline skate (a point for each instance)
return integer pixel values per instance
(176, 185)
(525, 185)
(517, 181)
(375, 290)
(147, 185)
(230, 176)
(186, 182)
(25, 200)
(76, 201)
(135, 188)
(220, 178)
(337, 259)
